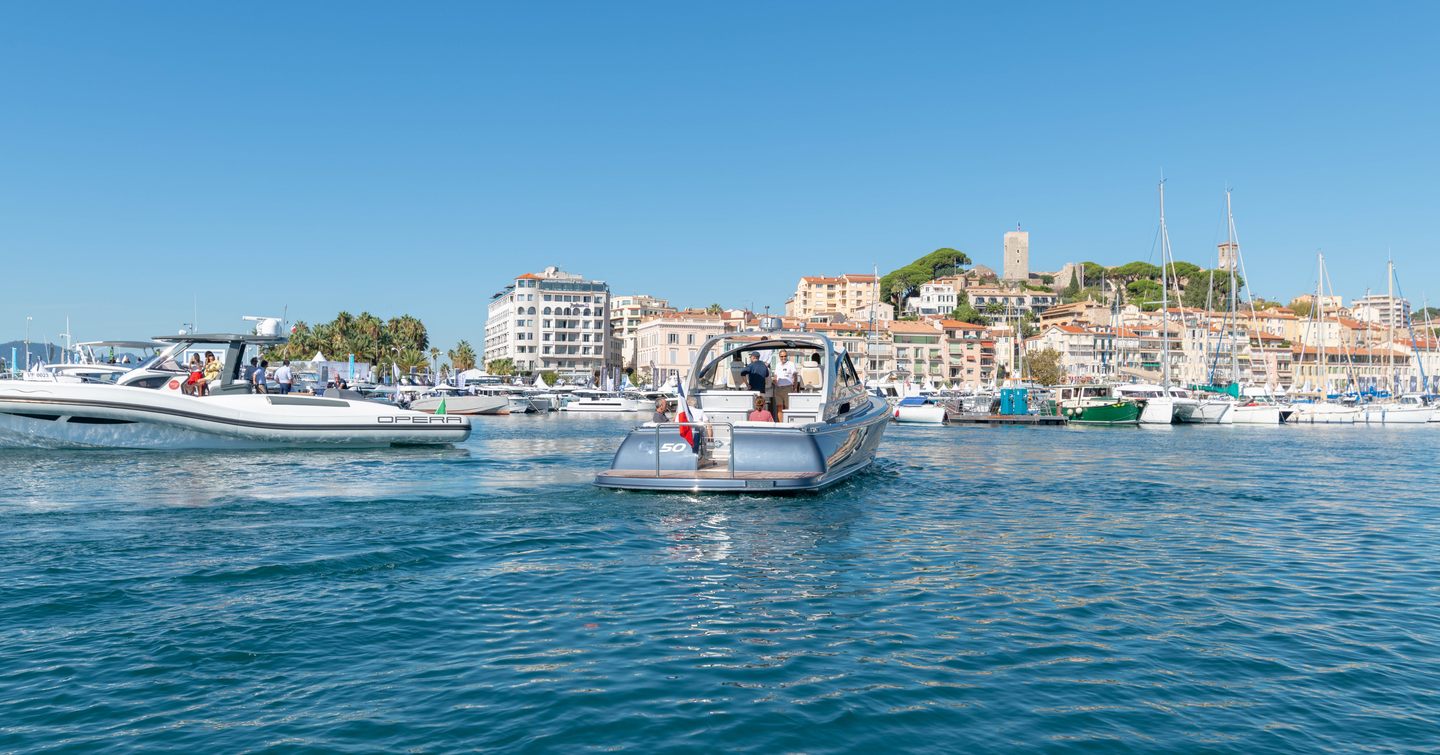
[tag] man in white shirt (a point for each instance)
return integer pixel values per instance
(786, 372)
(284, 377)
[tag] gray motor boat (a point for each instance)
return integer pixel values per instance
(830, 426)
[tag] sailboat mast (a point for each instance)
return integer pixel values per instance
(1234, 294)
(1164, 295)
(1319, 317)
(1392, 379)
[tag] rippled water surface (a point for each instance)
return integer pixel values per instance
(1208, 588)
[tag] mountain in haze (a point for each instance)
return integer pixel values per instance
(46, 351)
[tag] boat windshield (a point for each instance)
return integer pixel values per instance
(732, 354)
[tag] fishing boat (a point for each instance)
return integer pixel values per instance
(147, 408)
(1096, 404)
(831, 429)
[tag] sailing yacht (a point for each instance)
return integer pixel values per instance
(1395, 411)
(1320, 409)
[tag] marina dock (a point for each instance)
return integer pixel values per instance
(1006, 419)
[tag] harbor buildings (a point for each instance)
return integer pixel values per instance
(666, 343)
(626, 314)
(1382, 309)
(551, 320)
(855, 296)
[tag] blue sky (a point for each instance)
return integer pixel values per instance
(412, 157)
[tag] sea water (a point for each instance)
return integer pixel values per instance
(1224, 589)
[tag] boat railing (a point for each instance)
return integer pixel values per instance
(730, 456)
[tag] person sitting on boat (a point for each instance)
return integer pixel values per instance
(760, 413)
(662, 408)
(197, 377)
(702, 433)
(212, 373)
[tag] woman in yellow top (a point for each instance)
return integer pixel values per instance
(212, 373)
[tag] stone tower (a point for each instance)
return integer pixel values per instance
(1229, 254)
(1017, 255)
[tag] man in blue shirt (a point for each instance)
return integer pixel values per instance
(757, 373)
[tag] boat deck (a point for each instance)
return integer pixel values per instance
(701, 474)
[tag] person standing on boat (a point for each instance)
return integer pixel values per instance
(257, 380)
(661, 411)
(250, 373)
(756, 373)
(284, 378)
(786, 372)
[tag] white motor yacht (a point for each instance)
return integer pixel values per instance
(1158, 405)
(592, 400)
(919, 410)
(831, 427)
(146, 408)
(1255, 412)
(1326, 413)
(457, 401)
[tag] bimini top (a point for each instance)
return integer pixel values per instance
(913, 401)
(222, 338)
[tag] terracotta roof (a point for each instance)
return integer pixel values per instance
(959, 325)
(908, 326)
(528, 276)
(859, 276)
(819, 279)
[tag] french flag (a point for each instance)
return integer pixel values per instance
(685, 414)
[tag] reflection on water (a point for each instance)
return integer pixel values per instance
(1198, 588)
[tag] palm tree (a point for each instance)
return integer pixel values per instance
(435, 357)
(714, 309)
(462, 356)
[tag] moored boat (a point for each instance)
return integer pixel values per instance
(919, 410)
(1095, 404)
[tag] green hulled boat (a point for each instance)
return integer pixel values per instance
(1096, 404)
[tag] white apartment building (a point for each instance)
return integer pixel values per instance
(935, 298)
(551, 320)
(1006, 304)
(1387, 311)
(626, 314)
(853, 295)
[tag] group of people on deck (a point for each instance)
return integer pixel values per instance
(256, 375)
(779, 383)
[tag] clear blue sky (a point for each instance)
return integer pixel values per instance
(412, 157)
